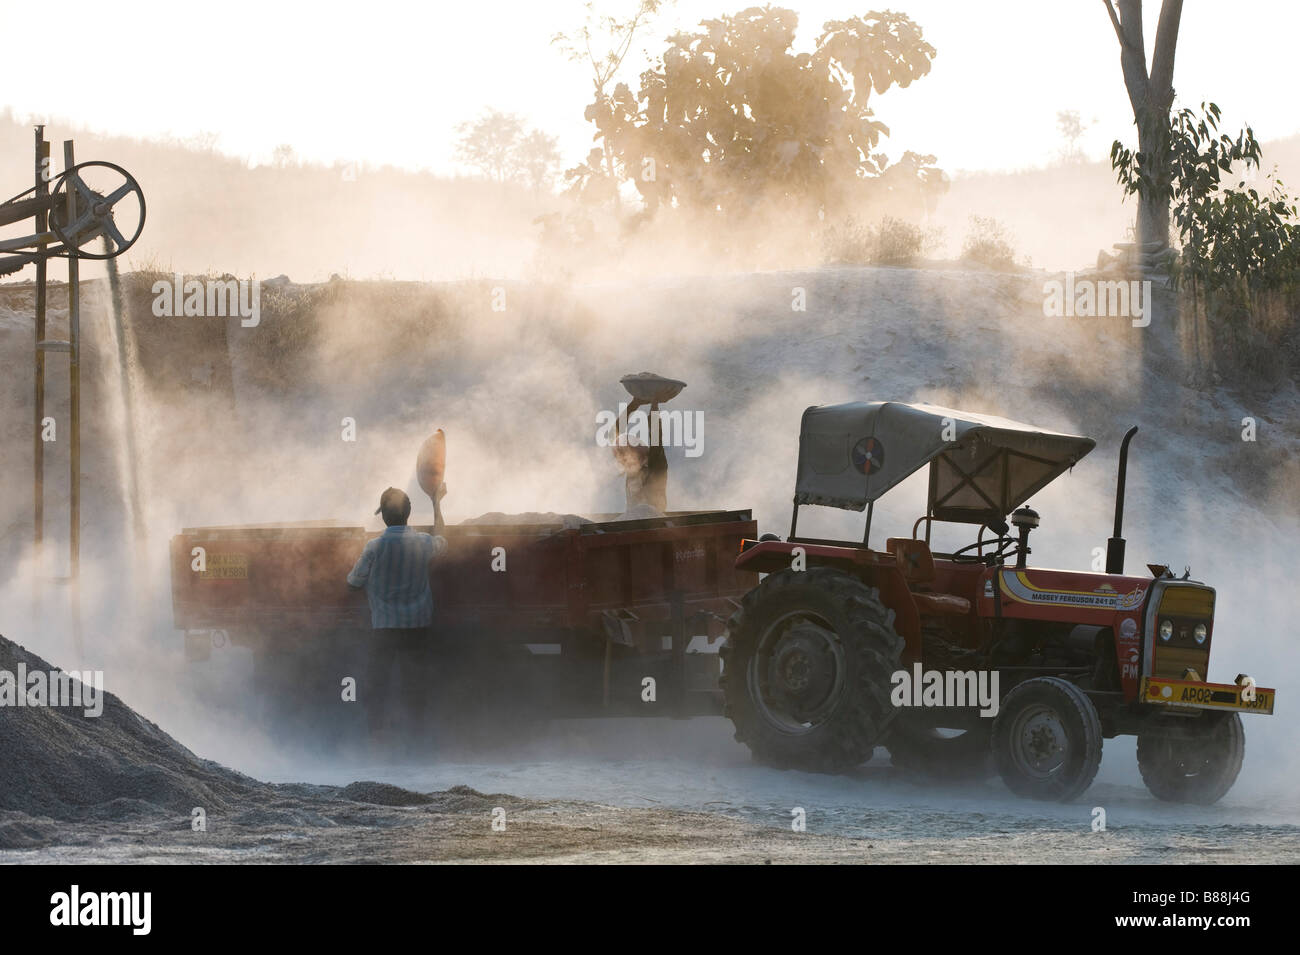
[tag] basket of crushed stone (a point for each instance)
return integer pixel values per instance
(649, 388)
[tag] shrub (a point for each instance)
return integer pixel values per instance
(890, 242)
(989, 244)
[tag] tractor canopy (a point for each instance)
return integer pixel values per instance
(981, 466)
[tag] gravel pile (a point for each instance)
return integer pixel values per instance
(499, 519)
(60, 763)
(117, 771)
(383, 794)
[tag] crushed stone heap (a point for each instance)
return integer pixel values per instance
(59, 762)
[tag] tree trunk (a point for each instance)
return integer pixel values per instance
(1153, 211)
(1151, 96)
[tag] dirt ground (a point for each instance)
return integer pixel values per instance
(305, 824)
(114, 787)
(454, 826)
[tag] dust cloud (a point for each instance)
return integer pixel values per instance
(514, 355)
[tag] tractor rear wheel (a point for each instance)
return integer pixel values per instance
(929, 753)
(1047, 740)
(1197, 768)
(807, 664)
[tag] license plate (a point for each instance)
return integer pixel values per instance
(225, 567)
(1206, 696)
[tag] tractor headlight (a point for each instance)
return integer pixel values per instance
(1199, 633)
(1166, 630)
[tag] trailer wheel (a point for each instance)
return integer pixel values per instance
(928, 753)
(807, 667)
(1198, 768)
(1047, 740)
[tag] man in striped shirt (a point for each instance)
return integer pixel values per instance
(394, 572)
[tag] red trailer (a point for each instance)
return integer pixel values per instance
(584, 614)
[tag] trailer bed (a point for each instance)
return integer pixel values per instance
(603, 594)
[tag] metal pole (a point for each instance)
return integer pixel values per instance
(38, 445)
(74, 409)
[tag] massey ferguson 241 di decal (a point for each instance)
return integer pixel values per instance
(1017, 586)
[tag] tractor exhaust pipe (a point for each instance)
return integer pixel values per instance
(1115, 546)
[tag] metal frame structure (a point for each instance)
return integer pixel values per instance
(66, 217)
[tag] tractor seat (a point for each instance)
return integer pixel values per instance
(917, 566)
(914, 558)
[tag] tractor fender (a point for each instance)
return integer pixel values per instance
(895, 595)
(876, 570)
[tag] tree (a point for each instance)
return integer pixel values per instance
(730, 118)
(1231, 238)
(1151, 94)
(614, 36)
(1071, 127)
(1239, 255)
(538, 157)
(497, 146)
(283, 156)
(490, 144)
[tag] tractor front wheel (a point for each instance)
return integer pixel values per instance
(1198, 767)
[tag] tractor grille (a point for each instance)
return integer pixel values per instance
(1184, 608)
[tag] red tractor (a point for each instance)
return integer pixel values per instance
(963, 662)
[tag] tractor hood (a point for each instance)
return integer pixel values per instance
(981, 466)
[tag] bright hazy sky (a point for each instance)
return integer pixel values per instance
(387, 81)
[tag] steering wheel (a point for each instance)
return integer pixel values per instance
(1004, 547)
